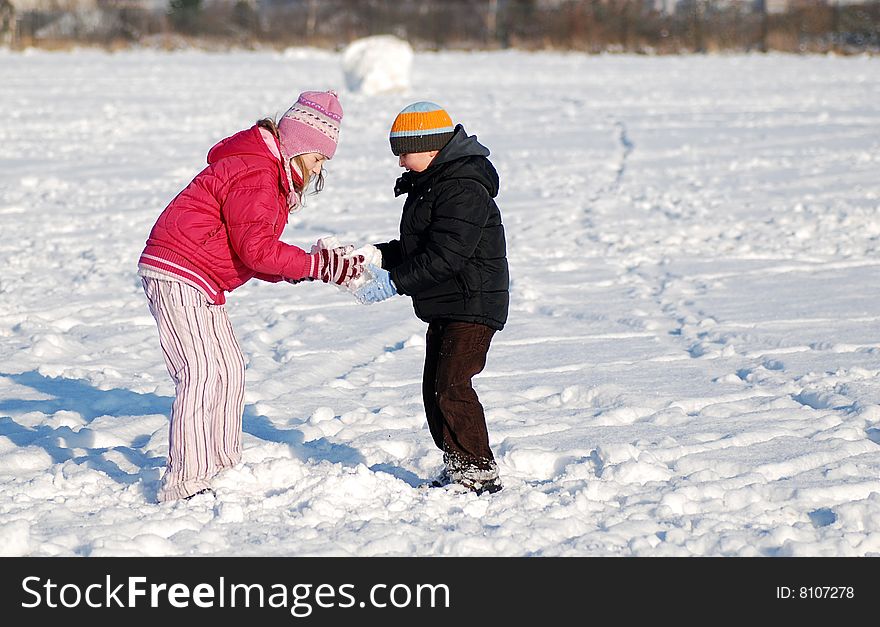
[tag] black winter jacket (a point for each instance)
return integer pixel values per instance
(451, 256)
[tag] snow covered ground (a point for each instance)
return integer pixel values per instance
(692, 363)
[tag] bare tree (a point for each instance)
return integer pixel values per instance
(7, 23)
(311, 19)
(671, 26)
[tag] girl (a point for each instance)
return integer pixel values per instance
(222, 230)
(451, 258)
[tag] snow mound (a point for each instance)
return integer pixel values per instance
(15, 538)
(376, 65)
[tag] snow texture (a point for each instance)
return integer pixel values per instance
(692, 362)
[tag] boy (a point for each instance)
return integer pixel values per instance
(451, 259)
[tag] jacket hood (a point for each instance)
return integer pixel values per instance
(462, 157)
(461, 145)
(246, 142)
(248, 145)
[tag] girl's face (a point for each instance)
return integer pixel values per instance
(313, 162)
(417, 161)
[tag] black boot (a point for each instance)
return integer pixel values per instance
(477, 475)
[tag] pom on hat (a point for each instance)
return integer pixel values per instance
(311, 124)
(421, 127)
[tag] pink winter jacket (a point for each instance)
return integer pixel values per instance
(223, 229)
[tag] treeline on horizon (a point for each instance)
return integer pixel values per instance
(593, 26)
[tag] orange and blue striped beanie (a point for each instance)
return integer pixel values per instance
(421, 127)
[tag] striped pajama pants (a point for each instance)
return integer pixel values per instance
(207, 367)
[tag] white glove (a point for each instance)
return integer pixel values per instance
(371, 255)
(330, 242)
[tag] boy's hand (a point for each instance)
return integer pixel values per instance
(371, 254)
(377, 289)
(334, 267)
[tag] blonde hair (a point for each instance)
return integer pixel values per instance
(272, 126)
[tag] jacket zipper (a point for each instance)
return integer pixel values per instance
(466, 292)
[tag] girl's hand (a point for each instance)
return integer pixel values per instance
(334, 267)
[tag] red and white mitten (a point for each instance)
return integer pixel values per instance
(332, 266)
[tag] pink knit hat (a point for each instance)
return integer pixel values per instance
(311, 124)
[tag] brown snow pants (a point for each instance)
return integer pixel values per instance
(455, 352)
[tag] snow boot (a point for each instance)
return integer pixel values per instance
(199, 493)
(478, 476)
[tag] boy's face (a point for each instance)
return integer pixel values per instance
(417, 161)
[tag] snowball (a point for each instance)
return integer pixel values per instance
(379, 64)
